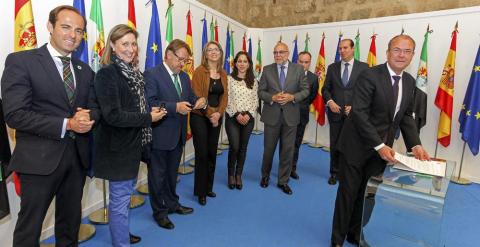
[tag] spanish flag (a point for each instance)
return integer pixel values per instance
(372, 53)
(444, 97)
(318, 103)
(189, 67)
(25, 37)
(132, 22)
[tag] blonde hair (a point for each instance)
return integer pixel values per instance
(115, 34)
(204, 55)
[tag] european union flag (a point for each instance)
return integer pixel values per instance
(470, 114)
(82, 51)
(226, 63)
(154, 44)
(337, 54)
(295, 51)
(204, 33)
(250, 47)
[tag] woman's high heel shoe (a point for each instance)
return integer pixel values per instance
(238, 182)
(231, 182)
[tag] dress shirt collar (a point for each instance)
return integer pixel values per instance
(54, 53)
(392, 73)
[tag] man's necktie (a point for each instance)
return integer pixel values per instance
(282, 76)
(345, 75)
(396, 79)
(177, 84)
(68, 79)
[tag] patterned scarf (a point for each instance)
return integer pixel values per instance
(136, 83)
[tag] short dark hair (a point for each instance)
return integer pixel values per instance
(53, 16)
(305, 53)
(176, 45)
(401, 36)
(352, 44)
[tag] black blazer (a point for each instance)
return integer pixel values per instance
(371, 121)
(35, 103)
(334, 89)
(160, 89)
(118, 134)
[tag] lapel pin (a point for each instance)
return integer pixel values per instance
(79, 67)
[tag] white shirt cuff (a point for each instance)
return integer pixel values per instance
(64, 127)
(379, 146)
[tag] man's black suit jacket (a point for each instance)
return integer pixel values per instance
(333, 88)
(312, 81)
(35, 103)
(371, 121)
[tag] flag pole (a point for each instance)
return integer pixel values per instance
(316, 144)
(184, 170)
(100, 216)
(223, 144)
(459, 180)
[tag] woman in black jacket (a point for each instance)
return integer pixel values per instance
(124, 128)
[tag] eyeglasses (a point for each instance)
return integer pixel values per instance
(213, 50)
(398, 51)
(279, 52)
(181, 59)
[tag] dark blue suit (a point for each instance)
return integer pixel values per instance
(169, 136)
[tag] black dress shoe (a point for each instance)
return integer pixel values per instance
(183, 210)
(202, 200)
(332, 180)
(264, 182)
(211, 194)
(285, 188)
(134, 239)
(165, 223)
(351, 239)
(294, 175)
(335, 245)
(231, 182)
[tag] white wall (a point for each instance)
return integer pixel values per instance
(441, 22)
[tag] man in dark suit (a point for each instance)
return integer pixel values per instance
(337, 92)
(382, 102)
(45, 93)
(304, 59)
(169, 87)
(282, 86)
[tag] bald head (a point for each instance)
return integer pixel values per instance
(280, 53)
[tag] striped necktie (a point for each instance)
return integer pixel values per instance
(68, 79)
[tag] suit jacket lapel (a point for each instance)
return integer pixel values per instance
(353, 74)
(78, 71)
(386, 83)
(168, 81)
(46, 60)
(276, 75)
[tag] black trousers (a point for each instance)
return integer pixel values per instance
(353, 178)
(205, 142)
(238, 137)
(335, 129)
(298, 142)
(37, 192)
(162, 180)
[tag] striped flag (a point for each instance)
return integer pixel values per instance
(232, 50)
(258, 66)
(216, 30)
(295, 50)
(444, 97)
(337, 53)
(132, 22)
(356, 53)
(189, 67)
(25, 37)
(307, 40)
(244, 42)
(169, 34)
(82, 51)
(372, 53)
(212, 30)
(98, 48)
(420, 98)
(318, 103)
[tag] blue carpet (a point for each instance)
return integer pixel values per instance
(269, 218)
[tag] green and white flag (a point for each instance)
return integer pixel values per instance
(356, 53)
(420, 108)
(169, 35)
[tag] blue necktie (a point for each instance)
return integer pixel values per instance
(345, 75)
(282, 76)
(396, 79)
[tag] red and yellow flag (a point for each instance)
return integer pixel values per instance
(318, 104)
(244, 42)
(189, 67)
(372, 52)
(132, 22)
(444, 97)
(25, 37)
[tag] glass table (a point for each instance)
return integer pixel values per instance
(404, 208)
